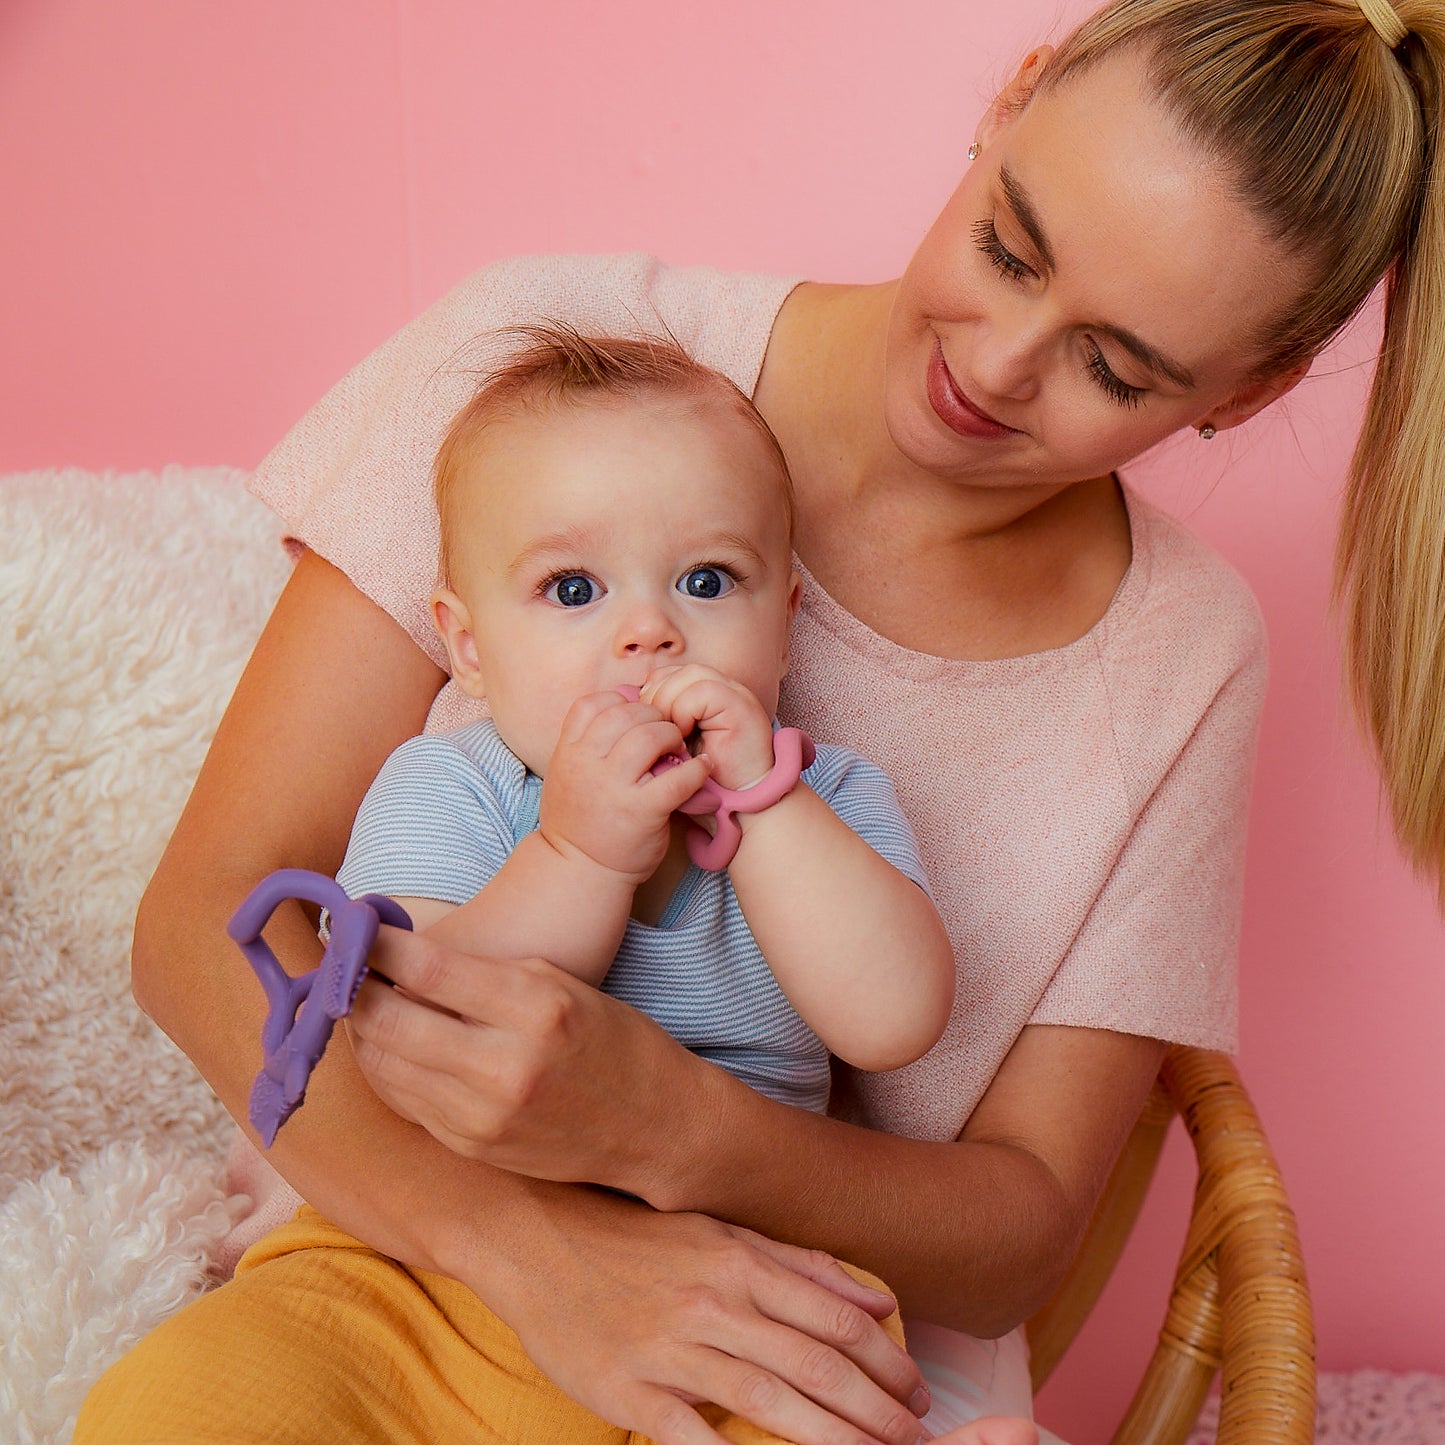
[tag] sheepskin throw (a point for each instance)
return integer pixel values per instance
(128, 605)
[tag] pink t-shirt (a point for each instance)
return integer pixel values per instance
(1081, 812)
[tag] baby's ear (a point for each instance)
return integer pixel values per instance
(795, 599)
(454, 624)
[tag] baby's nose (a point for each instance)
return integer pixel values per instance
(648, 629)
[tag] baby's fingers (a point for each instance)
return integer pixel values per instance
(672, 787)
(585, 711)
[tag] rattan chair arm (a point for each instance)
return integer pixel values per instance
(1240, 1302)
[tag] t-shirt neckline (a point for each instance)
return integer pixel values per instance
(903, 661)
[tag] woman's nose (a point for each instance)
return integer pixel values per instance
(1009, 354)
(646, 628)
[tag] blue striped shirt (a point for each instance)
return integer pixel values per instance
(447, 810)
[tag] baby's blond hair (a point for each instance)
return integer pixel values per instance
(555, 364)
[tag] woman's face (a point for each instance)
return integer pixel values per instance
(1091, 287)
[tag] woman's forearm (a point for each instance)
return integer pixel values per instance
(538, 1073)
(308, 728)
(974, 1233)
(384, 1180)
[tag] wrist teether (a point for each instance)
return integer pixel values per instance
(304, 1010)
(793, 752)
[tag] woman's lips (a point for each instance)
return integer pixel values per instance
(954, 409)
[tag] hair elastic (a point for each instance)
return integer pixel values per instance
(1388, 25)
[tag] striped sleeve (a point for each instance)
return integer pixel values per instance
(860, 793)
(430, 826)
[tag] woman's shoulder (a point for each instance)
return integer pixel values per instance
(722, 318)
(1183, 601)
(1185, 641)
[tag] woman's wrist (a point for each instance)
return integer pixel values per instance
(684, 1161)
(514, 1225)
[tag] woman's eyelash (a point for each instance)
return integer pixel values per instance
(1119, 392)
(1004, 260)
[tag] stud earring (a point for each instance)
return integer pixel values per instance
(1206, 433)
(973, 151)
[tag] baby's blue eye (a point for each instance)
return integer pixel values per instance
(705, 582)
(576, 589)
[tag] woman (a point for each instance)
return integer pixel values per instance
(1165, 221)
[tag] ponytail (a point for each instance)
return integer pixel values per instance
(1390, 572)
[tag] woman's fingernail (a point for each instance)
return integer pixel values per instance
(920, 1401)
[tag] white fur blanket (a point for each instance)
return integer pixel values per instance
(128, 605)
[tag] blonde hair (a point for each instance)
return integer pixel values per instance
(556, 365)
(1331, 137)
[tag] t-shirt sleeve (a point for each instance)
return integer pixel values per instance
(430, 826)
(860, 793)
(1157, 952)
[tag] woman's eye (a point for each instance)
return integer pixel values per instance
(705, 582)
(575, 589)
(1119, 392)
(986, 239)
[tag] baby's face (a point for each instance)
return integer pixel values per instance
(595, 543)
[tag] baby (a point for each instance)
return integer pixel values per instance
(617, 585)
(617, 582)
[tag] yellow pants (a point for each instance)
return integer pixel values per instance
(320, 1339)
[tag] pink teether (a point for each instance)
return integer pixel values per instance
(793, 751)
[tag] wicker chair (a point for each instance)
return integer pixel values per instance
(1240, 1304)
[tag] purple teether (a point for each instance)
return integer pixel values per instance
(793, 751)
(304, 1010)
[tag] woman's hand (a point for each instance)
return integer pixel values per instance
(640, 1315)
(518, 1063)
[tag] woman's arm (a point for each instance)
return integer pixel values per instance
(333, 686)
(973, 1234)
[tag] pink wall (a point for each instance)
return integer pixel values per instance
(211, 211)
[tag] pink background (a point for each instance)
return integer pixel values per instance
(211, 211)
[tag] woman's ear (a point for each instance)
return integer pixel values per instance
(1014, 96)
(454, 624)
(1253, 398)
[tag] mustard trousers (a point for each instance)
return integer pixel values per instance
(320, 1339)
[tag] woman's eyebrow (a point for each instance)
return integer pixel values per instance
(1148, 356)
(1028, 218)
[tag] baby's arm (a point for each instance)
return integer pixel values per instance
(855, 943)
(541, 904)
(565, 892)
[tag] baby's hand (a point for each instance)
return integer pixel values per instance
(734, 728)
(599, 797)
